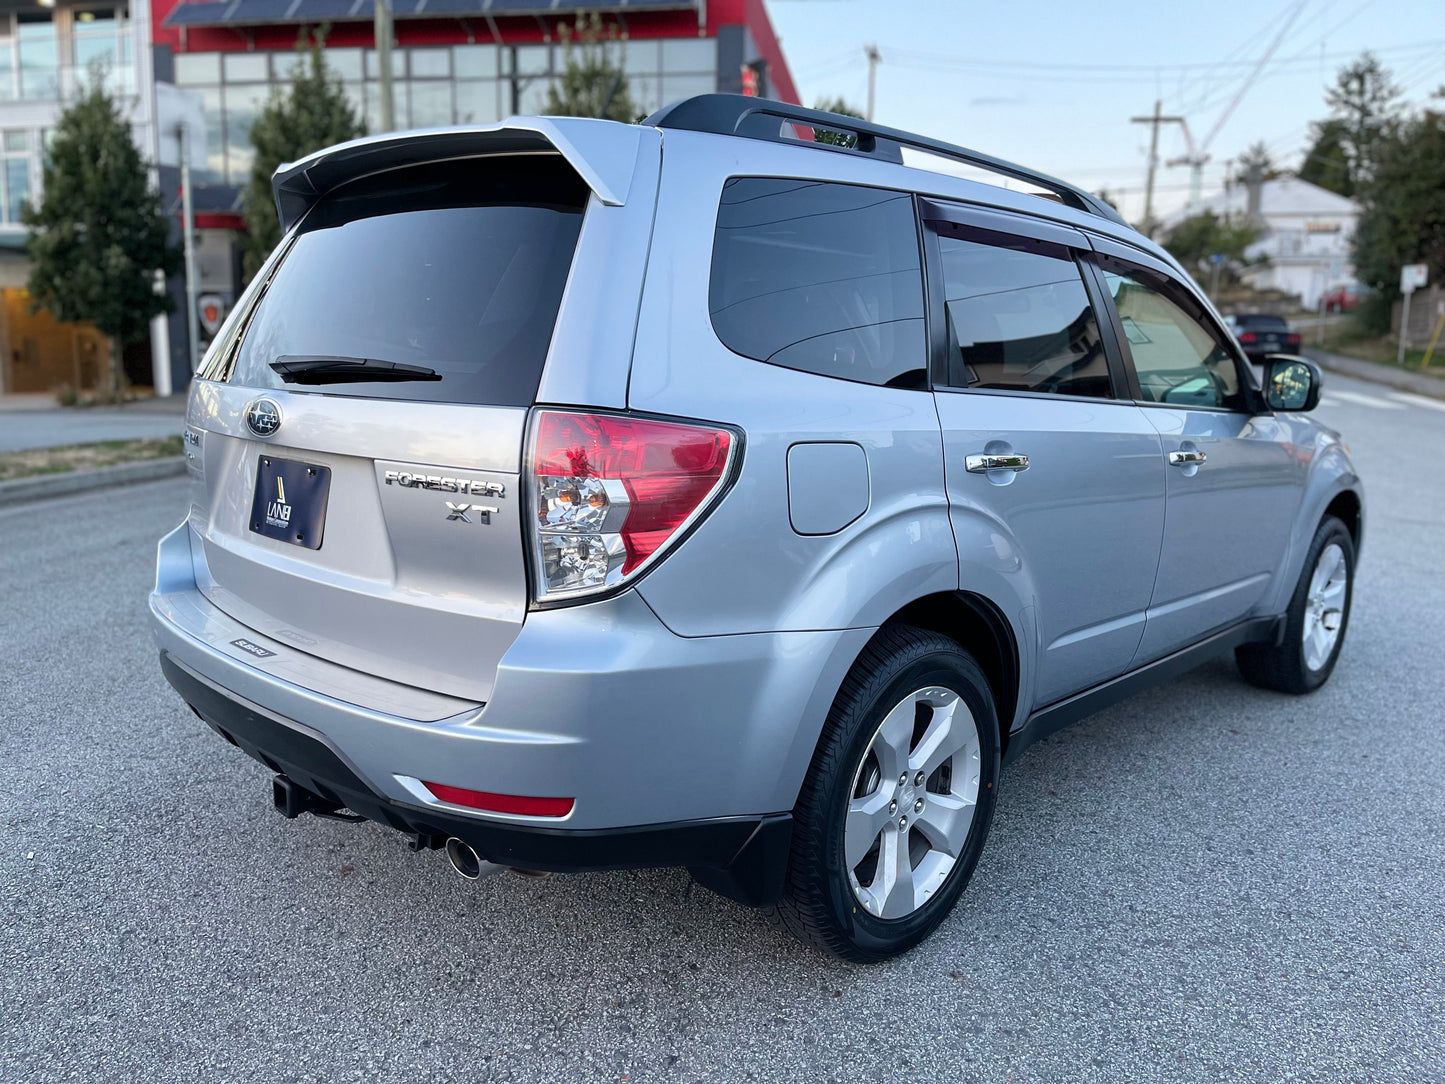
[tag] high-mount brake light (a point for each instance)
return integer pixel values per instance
(610, 492)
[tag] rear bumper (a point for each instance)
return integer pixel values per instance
(677, 750)
(744, 858)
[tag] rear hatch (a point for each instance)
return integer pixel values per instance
(362, 417)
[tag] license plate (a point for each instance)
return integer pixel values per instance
(290, 501)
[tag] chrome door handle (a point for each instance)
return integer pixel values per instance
(1184, 459)
(979, 464)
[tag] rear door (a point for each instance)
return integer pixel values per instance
(1235, 480)
(1025, 371)
(363, 422)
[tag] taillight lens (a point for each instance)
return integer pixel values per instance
(609, 492)
(1247, 337)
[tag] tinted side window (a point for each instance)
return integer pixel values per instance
(820, 277)
(1178, 358)
(1019, 317)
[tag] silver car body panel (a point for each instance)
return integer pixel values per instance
(648, 709)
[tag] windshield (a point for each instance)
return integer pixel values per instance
(454, 267)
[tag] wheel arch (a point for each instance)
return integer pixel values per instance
(1347, 507)
(977, 624)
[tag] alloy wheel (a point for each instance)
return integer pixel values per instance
(912, 802)
(1325, 606)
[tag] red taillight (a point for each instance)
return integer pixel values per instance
(1293, 340)
(610, 491)
(1247, 337)
(520, 804)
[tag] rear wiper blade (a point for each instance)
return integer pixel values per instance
(332, 369)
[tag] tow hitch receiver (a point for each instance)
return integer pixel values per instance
(291, 801)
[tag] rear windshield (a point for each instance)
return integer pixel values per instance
(454, 267)
(1261, 322)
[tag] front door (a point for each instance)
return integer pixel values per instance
(1234, 479)
(1050, 474)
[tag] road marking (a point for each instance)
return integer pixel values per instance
(1418, 400)
(1365, 400)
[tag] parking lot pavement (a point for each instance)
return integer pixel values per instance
(1205, 883)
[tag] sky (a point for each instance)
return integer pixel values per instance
(1053, 84)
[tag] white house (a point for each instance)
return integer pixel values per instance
(1307, 232)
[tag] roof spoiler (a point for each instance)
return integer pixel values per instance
(604, 154)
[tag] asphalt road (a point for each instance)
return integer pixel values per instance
(22, 429)
(1207, 883)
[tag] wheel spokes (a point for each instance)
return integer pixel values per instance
(894, 739)
(893, 888)
(941, 739)
(945, 821)
(867, 817)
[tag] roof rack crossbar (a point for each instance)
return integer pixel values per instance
(763, 118)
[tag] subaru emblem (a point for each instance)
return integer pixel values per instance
(263, 417)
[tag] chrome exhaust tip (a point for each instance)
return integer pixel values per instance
(467, 862)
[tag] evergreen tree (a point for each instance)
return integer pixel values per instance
(1324, 163)
(98, 236)
(1257, 156)
(1404, 216)
(592, 84)
(1365, 102)
(312, 113)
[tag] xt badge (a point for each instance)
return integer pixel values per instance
(464, 512)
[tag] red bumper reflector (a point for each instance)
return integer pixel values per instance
(520, 804)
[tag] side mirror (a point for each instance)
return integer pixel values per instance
(1291, 383)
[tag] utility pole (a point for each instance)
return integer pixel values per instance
(874, 56)
(1153, 121)
(383, 32)
(188, 242)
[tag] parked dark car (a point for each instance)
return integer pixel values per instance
(1261, 334)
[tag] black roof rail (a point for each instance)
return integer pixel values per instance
(763, 118)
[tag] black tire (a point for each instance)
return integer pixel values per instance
(1283, 667)
(819, 905)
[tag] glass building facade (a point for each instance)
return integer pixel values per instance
(431, 85)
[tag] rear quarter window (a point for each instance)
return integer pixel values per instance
(456, 267)
(824, 278)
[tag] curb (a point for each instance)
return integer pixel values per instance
(1399, 379)
(42, 486)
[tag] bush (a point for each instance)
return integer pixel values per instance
(1373, 313)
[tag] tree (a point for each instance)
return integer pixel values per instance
(1256, 157)
(1199, 237)
(98, 236)
(312, 113)
(1324, 163)
(1365, 102)
(592, 84)
(840, 106)
(1404, 216)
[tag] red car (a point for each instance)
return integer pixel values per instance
(1344, 298)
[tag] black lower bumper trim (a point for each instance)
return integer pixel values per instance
(743, 858)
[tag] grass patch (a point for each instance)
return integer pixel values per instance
(69, 457)
(1347, 337)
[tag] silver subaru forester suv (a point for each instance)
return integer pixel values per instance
(574, 495)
